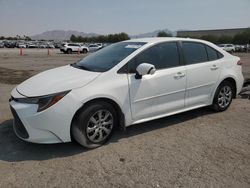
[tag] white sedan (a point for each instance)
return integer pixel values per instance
(227, 47)
(94, 47)
(125, 83)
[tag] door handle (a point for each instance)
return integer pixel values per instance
(179, 75)
(214, 67)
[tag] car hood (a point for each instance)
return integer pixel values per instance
(56, 80)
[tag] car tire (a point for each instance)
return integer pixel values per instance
(84, 51)
(223, 96)
(69, 51)
(94, 125)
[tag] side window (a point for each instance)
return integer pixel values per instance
(219, 55)
(211, 53)
(164, 55)
(194, 52)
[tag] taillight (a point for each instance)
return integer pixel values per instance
(240, 62)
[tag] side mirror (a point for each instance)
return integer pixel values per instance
(143, 69)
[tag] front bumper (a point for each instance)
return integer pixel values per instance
(240, 83)
(49, 126)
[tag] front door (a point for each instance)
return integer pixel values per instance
(162, 92)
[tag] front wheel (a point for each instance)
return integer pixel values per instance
(223, 96)
(94, 125)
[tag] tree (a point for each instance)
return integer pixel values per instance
(242, 38)
(27, 38)
(164, 34)
(224, 39)
(73, 38)
(101, 38)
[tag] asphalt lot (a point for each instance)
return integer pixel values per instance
(193, 149)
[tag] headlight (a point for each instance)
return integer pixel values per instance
(43, 102)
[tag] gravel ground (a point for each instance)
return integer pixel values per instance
(193, 149)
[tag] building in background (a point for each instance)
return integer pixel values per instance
(214, 32)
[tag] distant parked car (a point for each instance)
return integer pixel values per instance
(227, 47)
(50, 46)
(21, 45)
(57, 45)
(99, 44)
(71, 47)
(240, 48)
(94, 47)
(247, 46)
(1, 45)
(31, 45)
(42, 46)
(10, 45)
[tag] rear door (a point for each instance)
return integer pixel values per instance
(203, 66)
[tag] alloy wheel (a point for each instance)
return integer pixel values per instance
(99, 126)
(225, 96)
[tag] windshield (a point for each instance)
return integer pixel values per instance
(106, 58)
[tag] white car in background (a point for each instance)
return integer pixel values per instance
(227, 47)
(94, 47)
(21, 45)
(125, 83)
(1, 44)
(71, 47)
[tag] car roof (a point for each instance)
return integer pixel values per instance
(164, 39)
(155, 40)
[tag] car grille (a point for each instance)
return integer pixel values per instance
(18, 125)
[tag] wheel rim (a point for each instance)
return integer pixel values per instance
(225, 96)
(99, 126)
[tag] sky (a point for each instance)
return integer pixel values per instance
(29, 17)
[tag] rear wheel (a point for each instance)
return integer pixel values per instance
(84, 51)
(94, 125)
(69, 51)
(223, 96)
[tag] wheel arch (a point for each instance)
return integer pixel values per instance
(120, 114)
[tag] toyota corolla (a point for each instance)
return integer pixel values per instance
(125, 83)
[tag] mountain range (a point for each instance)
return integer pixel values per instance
(65, 35)
(60, 35)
